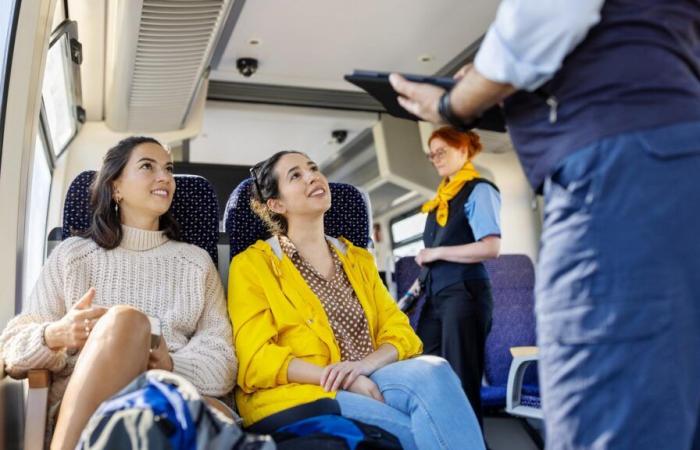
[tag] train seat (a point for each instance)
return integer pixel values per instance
(195, 207)
(513, 283)
(348, 217)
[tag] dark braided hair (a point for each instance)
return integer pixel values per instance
(266, 186)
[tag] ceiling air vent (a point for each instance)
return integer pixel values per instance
(157, 56)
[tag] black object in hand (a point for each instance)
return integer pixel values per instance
(408, 301)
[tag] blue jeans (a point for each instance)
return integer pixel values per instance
(618, 294)
(425, 407)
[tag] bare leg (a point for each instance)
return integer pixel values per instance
(115, 354)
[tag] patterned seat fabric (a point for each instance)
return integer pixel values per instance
(406, 271)
(347, 217)
(513, 283)
(512, 280)
(195, 207)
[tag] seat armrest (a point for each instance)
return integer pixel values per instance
(524, 351)
(39, 381)
(522, 358)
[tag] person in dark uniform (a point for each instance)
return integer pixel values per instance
(461, 231)
(602, 102)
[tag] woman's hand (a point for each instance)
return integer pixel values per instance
(72, 330)
(345, 372)
(160, 357)
(428, 255)
(365, 386)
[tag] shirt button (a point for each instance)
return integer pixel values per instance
(309, 321)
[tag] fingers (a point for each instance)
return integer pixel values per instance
(409, 105)
(342, 374)
(330, 380)
(324, 375)
(333, 375)
(90, 313)
(86, 300)
(401, 85)
(350, 379)
(376, 394)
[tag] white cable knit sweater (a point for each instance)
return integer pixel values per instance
(174, 281)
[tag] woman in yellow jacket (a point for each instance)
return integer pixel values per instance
(313, 320)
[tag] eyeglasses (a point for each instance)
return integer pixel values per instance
(436, 155)
(254, 176)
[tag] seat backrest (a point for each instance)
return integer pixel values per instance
(513, 282)
(195, 207)
(347, 217)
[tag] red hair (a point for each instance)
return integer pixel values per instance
(464, 141)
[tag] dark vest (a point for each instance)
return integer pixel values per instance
(456, 231)
(639, 68)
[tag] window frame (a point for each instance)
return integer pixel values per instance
(400, 217)
(68, 28)
(6, 68)
(41, 134)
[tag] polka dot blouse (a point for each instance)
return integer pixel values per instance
(344, 311)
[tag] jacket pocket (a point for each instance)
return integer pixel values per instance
(672, 142)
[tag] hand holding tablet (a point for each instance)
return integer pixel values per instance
(378, 86)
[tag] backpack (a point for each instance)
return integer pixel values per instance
(319, 425)
(162, 410)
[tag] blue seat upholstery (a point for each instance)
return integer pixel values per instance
(195, 207)
(347, 217)
(406, 271)
(512, 280)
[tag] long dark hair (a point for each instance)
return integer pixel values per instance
(266, 186)
(106, 228)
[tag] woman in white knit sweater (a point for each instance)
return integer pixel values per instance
(86, 317)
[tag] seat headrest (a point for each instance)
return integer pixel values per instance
(348, 217)
(195, 207)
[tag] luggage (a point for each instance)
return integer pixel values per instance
(162, 410)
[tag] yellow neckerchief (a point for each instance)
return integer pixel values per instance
(446, 192)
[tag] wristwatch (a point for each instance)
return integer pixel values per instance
(448, 115)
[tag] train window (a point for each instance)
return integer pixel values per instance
(37, 212)
(60, 92)
(407, 233)
(8, 15)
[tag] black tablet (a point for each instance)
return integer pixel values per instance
(377, 85)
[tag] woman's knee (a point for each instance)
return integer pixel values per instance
(421, 371)
(126, 322)
(431, 367)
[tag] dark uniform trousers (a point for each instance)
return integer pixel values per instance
(454, 324)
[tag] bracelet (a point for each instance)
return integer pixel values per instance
(43, 333)
(446, 113)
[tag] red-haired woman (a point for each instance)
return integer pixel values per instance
(461, 231)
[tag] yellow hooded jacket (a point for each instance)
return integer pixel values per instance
(277, 317)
